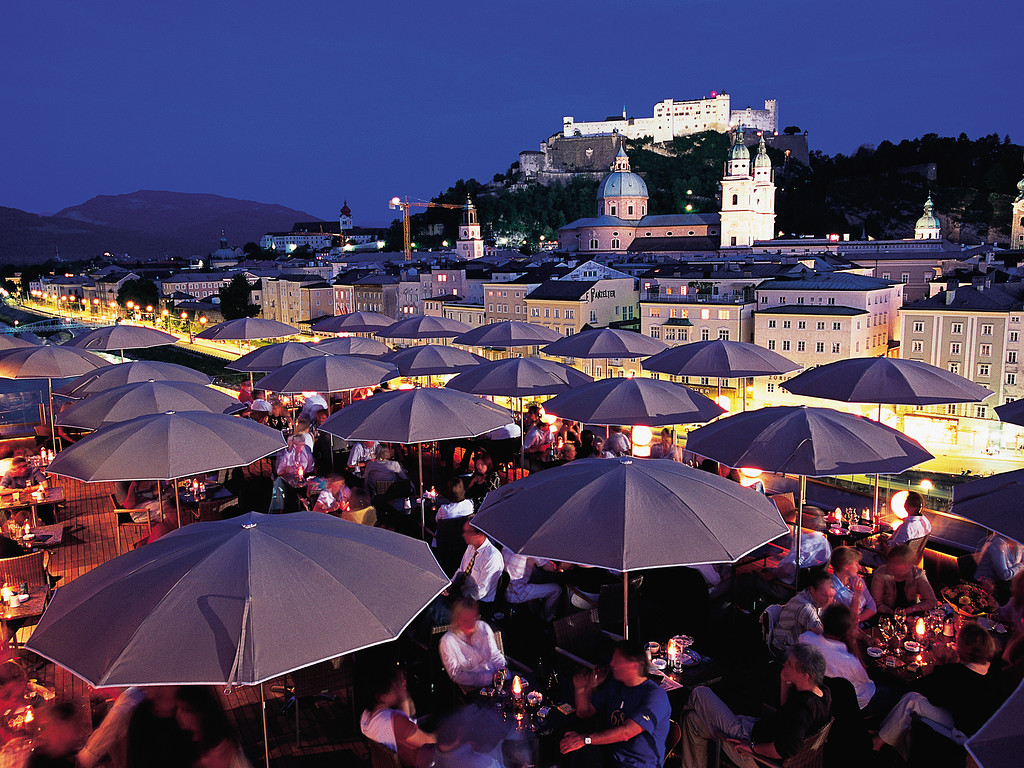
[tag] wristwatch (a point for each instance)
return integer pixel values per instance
(586, 740)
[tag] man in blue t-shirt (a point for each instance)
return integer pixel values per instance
(634, 712)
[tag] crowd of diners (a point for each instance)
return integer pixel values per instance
(811, 670)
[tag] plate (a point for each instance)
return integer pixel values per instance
(689, 659)
(861, 528)
(875, 652)
(28, 536)
(659, 664)
(838, 531)
(911, 647)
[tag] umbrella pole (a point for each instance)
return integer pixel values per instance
(799, 525)
(423, 491)
(53, 419)
(266, 741)
(177, 501)
(874, 503)
(625, 605)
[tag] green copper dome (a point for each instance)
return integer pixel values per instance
(929, 220)
(762, 160)
(739, 150)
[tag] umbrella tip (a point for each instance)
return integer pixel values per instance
(625, 461)
(247, 526)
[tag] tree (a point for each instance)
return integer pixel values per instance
(142, 291)
(234, 299)
(791, 130)
(250, 248)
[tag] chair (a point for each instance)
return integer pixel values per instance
(675, 735)
(916, 548)
(123, 519)
(810, 755)
(30, 569)
(580, 639)
(381, 756)
(320, 681)
(768, 619)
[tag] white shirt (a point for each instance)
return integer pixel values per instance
(839, 662)
(328, 499)
(673, 452)
(379, 726)
(360, 453)
(454, 509)
(618, 443)
(487, 568)
(914, 527)
(471, 662)
(292, 460)
(814, 550)
(538, 435)
(519, 569)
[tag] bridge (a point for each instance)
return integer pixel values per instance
(53, 324)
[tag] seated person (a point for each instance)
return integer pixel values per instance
(521, 590)
(259, 411)
(107, 744)
(914, 527)
(835, 644)
(458, 505)
(633, 712)
(537, 445)
(961, 695)
(382, 467)
(295, 462)
(484, 479)
(360, 509)
(144, 500)
(568, 453)
(851, 590)
(61, 734)
(468, 650)
(334, 499)
(389, 718)
(618, 443)
(278, 418)
(805, 709)
(359, 455)
(569, 431)
(1001, 560)
(666, 449)
(900, 584)
(777, 584)
(803, 613)
(481, 566)
(245, 395)
(21, 476)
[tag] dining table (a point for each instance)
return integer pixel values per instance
(12, 501)
(31, 608)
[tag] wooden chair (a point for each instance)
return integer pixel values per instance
(810, 755)
(381, 756)
(321, 681)
(123, 519)
(29, 568)
(675, 735)
(580, 639)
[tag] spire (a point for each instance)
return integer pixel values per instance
(1020, 191)
(762, 160)
(223, 240)
(621, 159)
(739, 149)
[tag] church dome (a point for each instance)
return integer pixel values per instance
(762, 160)
(739, 150)
(345, 210)
(622, 184)
(929, 220)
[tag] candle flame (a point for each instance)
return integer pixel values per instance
(919, 628)
(517, 686)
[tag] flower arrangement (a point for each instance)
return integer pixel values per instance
(969, 599)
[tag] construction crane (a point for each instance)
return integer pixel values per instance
(404, 205)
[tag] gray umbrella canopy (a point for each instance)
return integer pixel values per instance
(813, 442)
(120, 337)
(508, 333)
(327, 373)
(432, 360)
(719, 358)
(519, 377)
(273, 356)
(117, 374)
(997, 743)
(244, 328)
(994, 502)
(353, 322)
(47, 363)
(8, 341)
(631, 401)
(1011, 413)
(353, 345)
(885, 380)
(417, 416)
(221, 602)
(165, 446)
(629, 514)
(423, 327)
(130, 401)
(605, 343)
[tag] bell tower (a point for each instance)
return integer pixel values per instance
(1017, 225)
(470, 244)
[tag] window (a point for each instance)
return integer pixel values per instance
(534, 311)
(785, 345)
(1011, 378)
(490, 307)
(613, 211)
(917, 346)
(1011, 357)
(986, 329)
(705, 334)
(954, 347)
(771, 344)
(986, 350)
(786, 323)
(886, 275)
(835, 347)
(951, 409)
(594, 244)
(735, 201)
(570, 314)
(918, 326)
(956, 328)
(905, 277)
(782, 299)
(723, 334)
(517, 309)
(819, 346)
(629, 210)
(593, 315)
(764, 299)
(770, 387)
(984, 369)
(980, 411)
(801, 346)
(831, 301)
(723, 314)
(801, 325)
(771, 323)
(1014, 336)
(954, 368)
(615, 244)
(732, 241)
(821, 325)
(655, 331)
(547, 312)
(557, 313)
(837, 326)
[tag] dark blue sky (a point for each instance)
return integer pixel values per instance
(311, 102)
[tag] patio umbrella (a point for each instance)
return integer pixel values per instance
(431, 360)
(519, 377)
(508, 333)
(120, 337)
(353, 322)
(352, 345)
(630, 401)
(246, 328)
(417, 415)
(273, 356)
(605, 343)
(48, 363)
(721, 359)
(328, 373)
(423, 327)
(130, 401)
(628, 514)
(994, 502)
(885, 380)
(997, 742)
(805, 441)
(232, 595)
(138, 371)
(166, 446)
(1011, 413)
(8, 341)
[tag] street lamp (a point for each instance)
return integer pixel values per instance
(185, 323)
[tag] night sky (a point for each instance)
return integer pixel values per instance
(311, 102)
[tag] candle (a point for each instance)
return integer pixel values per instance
(6, 593)
(517, 688)
(919, 630)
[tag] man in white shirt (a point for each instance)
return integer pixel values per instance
(519, 569)
(468, 650)
(481, 564)
(618, 442)
(361, 453)
(536, 444)
(916, 525)
(837, 624)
